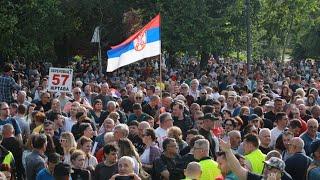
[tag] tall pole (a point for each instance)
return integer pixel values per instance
(160, 64)
(99, 54)
(249, 35)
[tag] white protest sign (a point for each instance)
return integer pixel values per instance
(60, 79)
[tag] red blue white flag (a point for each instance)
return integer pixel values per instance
(143, 44)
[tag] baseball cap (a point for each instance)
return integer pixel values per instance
(276, 163)
(315, 145)
(209, 116)
(252, 117)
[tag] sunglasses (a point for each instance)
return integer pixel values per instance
(138, 97)
(77, 92)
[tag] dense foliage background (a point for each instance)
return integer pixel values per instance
(57, 30)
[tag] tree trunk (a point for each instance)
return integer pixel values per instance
(204, 59)
(286, 39)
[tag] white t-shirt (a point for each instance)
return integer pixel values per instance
(145, 156)
(68, 123)
(275, 133)
(161, 135)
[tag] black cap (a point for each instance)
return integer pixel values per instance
(62, 169)
(209, 116)
(252, 117)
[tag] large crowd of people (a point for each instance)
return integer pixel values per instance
(221, 121)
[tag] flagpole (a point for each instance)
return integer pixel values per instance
(99, 54)
(160, 68)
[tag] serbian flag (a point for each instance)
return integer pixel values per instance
(143, 44)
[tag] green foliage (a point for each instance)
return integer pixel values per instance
(60, 29)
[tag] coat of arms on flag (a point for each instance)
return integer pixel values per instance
(140, 42)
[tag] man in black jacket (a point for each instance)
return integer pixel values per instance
(11, 143)
(297, 165)
(169, 165)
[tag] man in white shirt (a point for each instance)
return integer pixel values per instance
(70, 121)
(166, 122)
(194, 92)
(282, 122)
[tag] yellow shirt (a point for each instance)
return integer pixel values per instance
(38, 129)
(209, 169)
(256, 159)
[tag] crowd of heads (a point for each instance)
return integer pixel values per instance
(131, 119)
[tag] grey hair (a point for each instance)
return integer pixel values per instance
(112, 103)
(164, 116)
(123, 128)
(203, 144)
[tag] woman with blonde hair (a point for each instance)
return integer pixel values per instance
(245, 110)
(68, 143)
(176, 133)
(85, 144)
(77, 162)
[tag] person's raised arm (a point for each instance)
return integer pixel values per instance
(232, 161)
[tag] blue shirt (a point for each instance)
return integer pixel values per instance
(307, 141)
(231, 176)
(44, 174)
(314, 173)
(13, 122)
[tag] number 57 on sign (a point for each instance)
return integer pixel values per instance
(60, 79)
